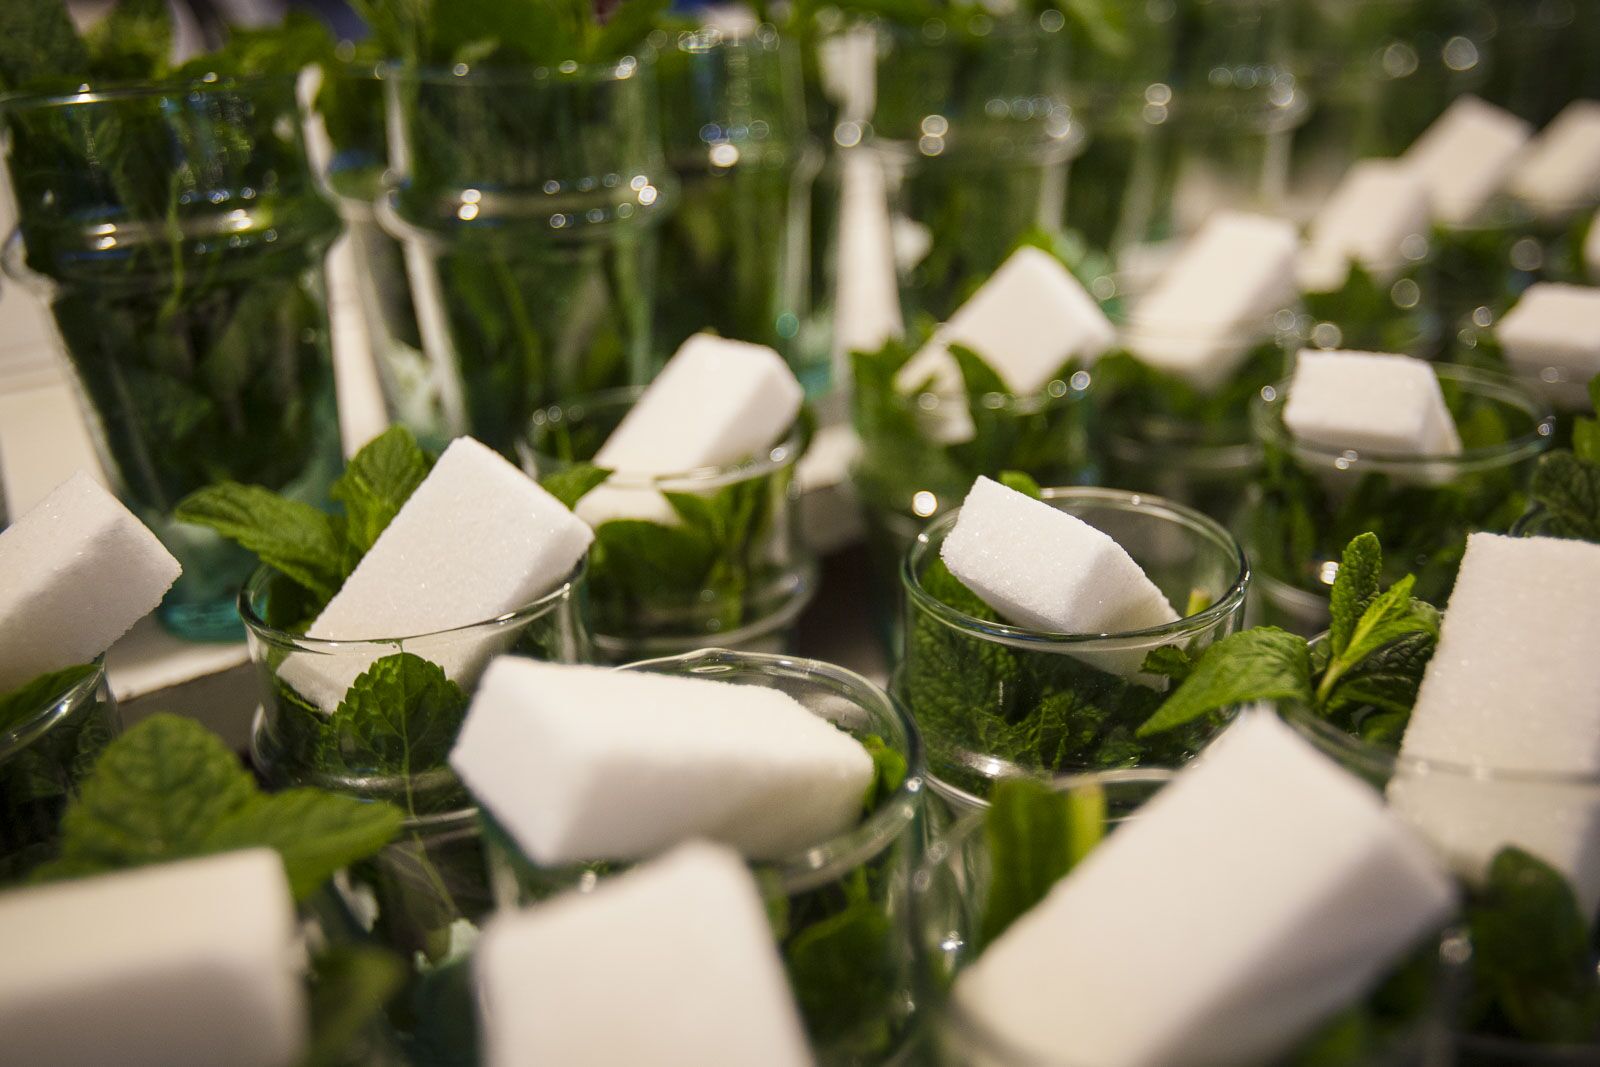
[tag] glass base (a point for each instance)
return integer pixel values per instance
(215, 621)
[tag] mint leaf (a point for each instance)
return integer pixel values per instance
(296, 538)
(377, 482)
(1022, 483)
(316, 833)
(840, 966)
(401, 714)
(350, 984)
(1035, 836)
(1169, 661)
(1570, 490)
(1261, 664)
(1393, 615)
(572, 484)
(888, 772)
(1354, 587)
(38, 44)
(22, 704)
(134, 42)
(1586, 441)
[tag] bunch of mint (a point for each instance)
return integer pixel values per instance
(1566, 483)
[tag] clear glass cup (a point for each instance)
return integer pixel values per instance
(950, 895)
(178, 236)
(1482, 266)
(529, 200)
(851, 886)
(1312, 499)
(975, 132)
(734, 570)
(1381, 311)
(43, 760)
(994, 700)
(739, 239)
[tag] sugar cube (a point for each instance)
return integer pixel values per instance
(1466, 156)
(1256, 895)
(1026, 321)
(1512, 687)
(478, 539)
(1375, 209)
(1369, 402)
(1217, 298)
(1554, 325)
(672, 963)
(1043, 568)
(80, 570)
(1561, 171)
(185, 964)
(868, 296)
(582, 763)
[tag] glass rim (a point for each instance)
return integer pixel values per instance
(1073, 388)
(764, 36)
(977, 25)
(792, 604)
(1044, 640)
(785, 453)
(828, 860)
(1278, 327)
(123, 91)
(260, 629)
(1505, 390)
(567, 72)
(20, 737)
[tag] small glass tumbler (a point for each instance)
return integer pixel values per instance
(1313, 499)
(949, 901)
(179, 237)
(1482, 266)
(44, 757)
(680, 560)
(529, 200)
(995, 700)
(838, 907)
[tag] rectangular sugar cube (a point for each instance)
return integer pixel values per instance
(1561, 171)
(582, 763)
(1512, 687)
(671, 964)
(1466, 156)
(1042, 568)
(1554, 325)
(1217, 298)
(477, 539)
(1026, 321)
(1255, 896)
(79, 571)
(1369, 402)
(184, 964)
(1374, 211)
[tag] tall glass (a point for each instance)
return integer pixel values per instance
(680, 560)
(837, 907)
(43, 760)
(1313, 499)
(994, 700)
(178, 235)
(738, 244)
(529, 201)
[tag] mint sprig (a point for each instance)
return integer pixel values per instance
(1566, 483)
(1364, 679)
(169, 789)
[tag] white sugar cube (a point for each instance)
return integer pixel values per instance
(867, 294)
(582, 763)
(1466, 156)
(1043, 568)
(79, 571)
(1026, 321)
(1561, 171)
(1256, 895)
(184, 964)
(1554, 326)
(1217, 298)
(672, 963)
(477, 539)
(1369, 402)
(1375, 209)
(1513, 687)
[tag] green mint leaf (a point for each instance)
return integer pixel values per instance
(377, 482)
(1570, 490)
(132, 43)
(39, 44)
(1261, 664)
(634, 560)
(1354, 587)
(1035, 835)
(1531, 955)
(1586, 441)
(839, 966)
(888, 772)
(572, 484)
(402, 713)
(1169, 661)
(1387, 680)
(1022, 483)
(316, 833)
(25, 702)
(296, 538)
(350, 984)
(1393, 615)
(979, 377)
